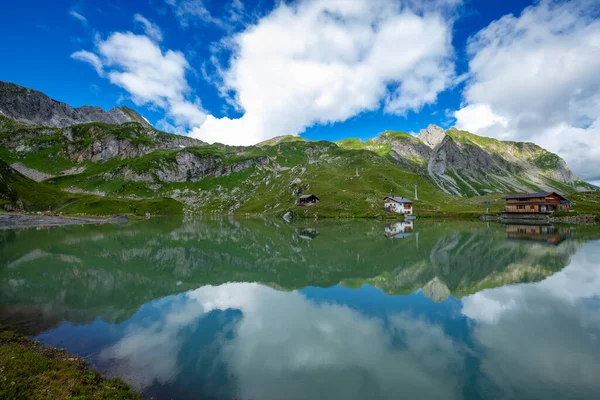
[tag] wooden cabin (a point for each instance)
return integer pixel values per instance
(536, 203)
(400, 205)
(308, 200)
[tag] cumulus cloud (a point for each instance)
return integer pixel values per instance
(151, 29)
(535, 77)
(150, 75)
(324, 61)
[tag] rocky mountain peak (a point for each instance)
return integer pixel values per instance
(36, 108)
(432, 135)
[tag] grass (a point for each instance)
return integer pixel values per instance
(288, 164)
(16, 189)
(381, 149)
(30, 370)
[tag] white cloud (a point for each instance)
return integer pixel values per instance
(151, 29)
(535, 78)
(78, 16)
(324, 61)
(89, 58)
(188, 10)
(137, 64)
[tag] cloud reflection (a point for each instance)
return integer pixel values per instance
(542, 340)
(287, 346)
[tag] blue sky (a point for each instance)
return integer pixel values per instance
(240, 72)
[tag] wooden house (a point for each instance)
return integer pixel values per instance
(400, 205)
(308, 200)
(536, 203)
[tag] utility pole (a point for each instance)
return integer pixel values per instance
(487, 204)
(416, 196)
(356, 171)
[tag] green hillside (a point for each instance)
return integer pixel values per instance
(103, 168)
(18, 191)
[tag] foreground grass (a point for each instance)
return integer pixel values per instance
(31, 370)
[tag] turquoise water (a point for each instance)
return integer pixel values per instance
(260, 309)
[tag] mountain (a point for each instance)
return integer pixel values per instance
(36, 108)
(461, 163)
(135, 161)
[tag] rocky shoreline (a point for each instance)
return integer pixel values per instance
(11, 221)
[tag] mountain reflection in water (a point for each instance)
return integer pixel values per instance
(251, 309)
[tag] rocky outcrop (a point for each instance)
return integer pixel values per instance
(106, 147)
(432, 136)
(189, 167)
(91, 142)
(36, 108)
(31, 173)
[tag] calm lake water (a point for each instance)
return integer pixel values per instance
(260, 309)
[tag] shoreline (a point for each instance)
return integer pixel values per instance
(15, 221)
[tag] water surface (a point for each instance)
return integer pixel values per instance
(260, 309)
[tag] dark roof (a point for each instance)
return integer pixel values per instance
(530, 195)
(308, 196)
(399, 199)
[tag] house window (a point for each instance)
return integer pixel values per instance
(520, 207)
(532, 207)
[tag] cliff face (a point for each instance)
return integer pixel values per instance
(36, 108)
(95, 142)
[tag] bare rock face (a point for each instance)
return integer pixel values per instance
(189, 167)
(432, 136)
(36, 108)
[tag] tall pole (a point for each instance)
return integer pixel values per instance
(356, 171)
(416, 196)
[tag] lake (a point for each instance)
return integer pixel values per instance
(329, 309)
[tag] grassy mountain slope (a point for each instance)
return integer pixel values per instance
(130, 161)
(18, 191)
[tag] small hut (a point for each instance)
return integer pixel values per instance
(308, 200)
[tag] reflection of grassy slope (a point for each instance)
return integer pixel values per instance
(35, 196)
(111, 271)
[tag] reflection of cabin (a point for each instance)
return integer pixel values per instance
(535, 203)
(308, 200)
(538, 233)
(399, 230)
(307, 233)
(400, 205)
